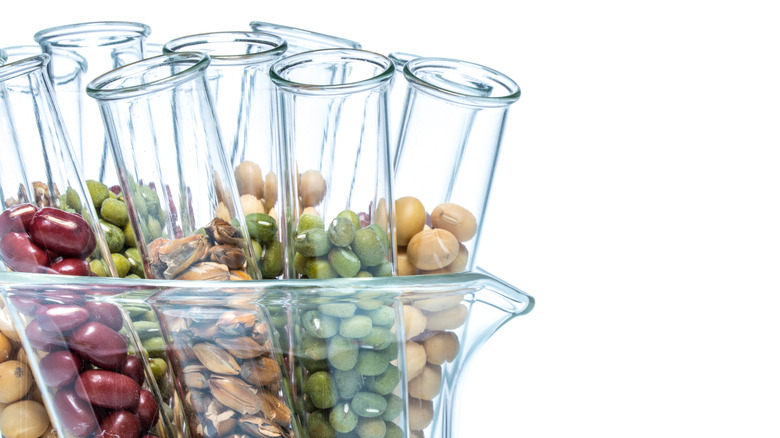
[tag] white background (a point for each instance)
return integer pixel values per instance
(636, 198)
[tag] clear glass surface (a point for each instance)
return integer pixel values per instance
(397, 98)
(181, 195)
(80, 52)
(441, 321)
(333, 116)
(49, 223)
(303, 40)
(449, 141)
(245, 102)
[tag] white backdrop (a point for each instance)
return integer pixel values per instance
(636, 198)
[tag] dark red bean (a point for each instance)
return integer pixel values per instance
(119, 424)
(25, 304)
(147, 410)
(42, 339)
(105, 313)
(76, 414)
(61, 318)
(116, 189)
(21, 254)
(17, 218)
(108, 389)
(133, 367)
(99, 344)
(61, 297)
(67, 234)
(71, 266)
(60, 368)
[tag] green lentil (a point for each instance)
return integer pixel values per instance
(371, 363)
(320, 387)
(121, 264)
(356, 326)
(115, 237)
(344, 261)
(114, 211)
(312, 243)
(393, 430)
(378, 338)
(261, 227)
(369, 247)
(98, 268)
(395, 405)
(309, 222)
(134, 258)
(158, 367)
(363, 274)
(74, 201)
(319, 325)
(371, 428)
(318, 425)
(313, 347)
(343, 418)
(319, 268)
(341, 231)
(382, 316)
(342, 353)
(129, 235)
(386, 382)
(272, 260)
(338, 310)
(98, 192)
(383, 269)
(348, 382)
(154, 346)
(146, 329)
(368, 404)
(352, 216)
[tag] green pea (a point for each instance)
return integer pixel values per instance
(382, 316)
(134, 258)
(395, 405)
(313, 347)
(320, 387)
(299, 263)
(114, 211)
(343, 353)
(138, 202)
(121, 264)
(393, 430)
(386, 382)
(309, 221)
(272, 259)
(261, 227)
(158, 367)
(355, 327)
(99, 268)
(363, 274)
(98, 192)
(383, 269)
(341, 231)
(371, 428)
(352, 216)
(368, 404)
(115, 237)
(342, 418)
(348, 382)
(154, 228)
(129, 235)
(371, 362)
(339, 310)
(381, 233)
(74, 201)
(258, 250)
(369, 247)
(319, 268)
(146, 329)
(378, 338)
(319, 325)
(154, 346)
(318, 425)
(344, 262)
(151, 201)
(312, 243)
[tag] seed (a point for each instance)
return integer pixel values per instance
(216, 359)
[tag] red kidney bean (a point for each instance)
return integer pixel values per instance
(99, 344)
(60, 297)
(71, 266)
(26, 305)
(147, 410)
(17, 218)
(76, 414)
(60, 368)
(67, 234)
(61, 318)
(21, 254)
(133, 367)
(105, 313)
(108, 389)
(42, 339)
(119, 424)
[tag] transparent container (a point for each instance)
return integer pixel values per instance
(80, 368)
(54, 227)
(89, 49)
(449, 141)
(181, 196)
(436, 337)
(397, 98)
(303, 40)
(340, 208)
(245, 102)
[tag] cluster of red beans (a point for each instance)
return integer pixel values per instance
(98, 387)
(46, 240)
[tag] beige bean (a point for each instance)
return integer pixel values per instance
(24, 419)
(270, 189)
(409, 219)
(415, 359)
(441, 347)
(311, 188)
(439, 304)
(414, 321)
(427, 385)
(310, 210)
(402, 265)
(455, 219)
(380, 214)
(420, 413)
(448, 319)
(7, 327)
(16, 380)
(250, 204)
(432, 249)
(461, 261)
(6, 348)
(417, 434)
(249, 179)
